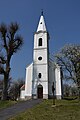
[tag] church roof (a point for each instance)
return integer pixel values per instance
(41, 25)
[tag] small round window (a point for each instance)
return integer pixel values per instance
(39, 58)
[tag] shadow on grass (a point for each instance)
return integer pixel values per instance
(70, 98)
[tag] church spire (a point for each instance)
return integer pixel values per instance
(41, 25)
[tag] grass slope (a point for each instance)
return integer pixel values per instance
(64, 110)
(5, 104)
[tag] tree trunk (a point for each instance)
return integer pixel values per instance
(5, 87)
(6, 79)
(79, 93)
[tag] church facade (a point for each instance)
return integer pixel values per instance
(42, 73)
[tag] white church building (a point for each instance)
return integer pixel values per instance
(42, 72)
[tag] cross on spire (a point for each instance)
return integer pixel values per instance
(42, 12)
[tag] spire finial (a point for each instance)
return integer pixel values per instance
(42, 12)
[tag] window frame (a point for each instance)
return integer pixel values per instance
(39, 58)
(40, 42)
(39, 75)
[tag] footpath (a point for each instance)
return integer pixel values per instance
(18, 108)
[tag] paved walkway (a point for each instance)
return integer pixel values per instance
(17, 108)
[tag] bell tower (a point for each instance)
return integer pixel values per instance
(43, 71)
(40, 61)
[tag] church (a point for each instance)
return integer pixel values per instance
(42, 73)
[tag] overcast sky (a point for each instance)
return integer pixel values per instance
(62, 20)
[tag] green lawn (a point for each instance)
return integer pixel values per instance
(64, 110)
(4, 104)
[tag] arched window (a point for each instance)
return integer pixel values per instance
(40, 42)
(39, 75)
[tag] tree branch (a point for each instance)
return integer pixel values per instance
(2, 70)
(2, 60)
(3, 31)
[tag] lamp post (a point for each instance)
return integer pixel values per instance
(53, 89)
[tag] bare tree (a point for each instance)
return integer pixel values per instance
(69, 59)
(10, 43)
(69, 90)
(14, 91)
(66, 90)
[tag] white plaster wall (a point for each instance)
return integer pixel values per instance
(51, 77)
(28, 83)
(22, 94)
(44, 40)
(40, 69)
(58, 81)
(43, 80)
(34, 88)
(45, 88)
(40, 53)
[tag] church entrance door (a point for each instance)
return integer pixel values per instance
(40, 91)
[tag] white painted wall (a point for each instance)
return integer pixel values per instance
(40, 68)
(44, 40)
(51, 76)
(40, 53)
(28, 82)
(58, 82)
(54, 76)
(22, 94)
